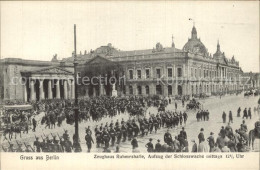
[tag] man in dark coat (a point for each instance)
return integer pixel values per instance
(201, 135)
(230, 117)
(224, 116)
(89, 140)
(149, 145)
(245, 114)
(168, 137)
(134, 143)
(211, 141)
(158, 146)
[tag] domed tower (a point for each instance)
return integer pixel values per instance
(194, 44)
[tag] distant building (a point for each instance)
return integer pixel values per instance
(165, 71)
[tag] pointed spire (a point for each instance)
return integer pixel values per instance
(194, 32)
(173, 45)
(218, 46)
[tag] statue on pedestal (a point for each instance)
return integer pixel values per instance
(114, 91)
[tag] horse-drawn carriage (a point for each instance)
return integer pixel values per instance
(193, 104)
(248, 93)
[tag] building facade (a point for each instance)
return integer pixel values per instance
(158, 71)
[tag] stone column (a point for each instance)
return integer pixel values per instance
(152, 89)
(175, 89)
(87, 90)
(50, 96)
(134, 89)
(94, 91)
(65, 87)
(102, 89)
(42, 96)
(72, 89)
(25, 92)
(69, 89)
(165, 90)
(33, 95)
(143, 90)
(58, 89)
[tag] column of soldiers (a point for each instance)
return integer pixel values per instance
(202, 115)
(115, 133)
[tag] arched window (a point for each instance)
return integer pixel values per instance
(147, 90)
(130, 90)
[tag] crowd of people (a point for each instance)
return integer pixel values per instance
(137, 126)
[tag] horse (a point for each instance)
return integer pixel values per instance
(253, 134)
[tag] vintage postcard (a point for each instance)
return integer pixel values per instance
(130, 85)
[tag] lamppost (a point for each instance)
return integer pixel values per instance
(76, 143)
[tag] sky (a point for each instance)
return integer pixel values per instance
(38, 30)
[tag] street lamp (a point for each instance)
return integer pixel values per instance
(76, 143)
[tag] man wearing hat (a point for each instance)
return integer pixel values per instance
(158, 146)
(201, 135)
(89, 140)
(211, 141)
(149, 145)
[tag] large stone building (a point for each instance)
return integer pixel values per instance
(162, 71)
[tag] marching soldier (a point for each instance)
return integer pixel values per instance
(98, 138)
(135, 128)
(155, 123)
(89, 141)
(124, 132)
(129, 130)
(106, 138)
(112, 133)
(118, 134)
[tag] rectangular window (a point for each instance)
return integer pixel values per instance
(147, 73)
(139, 74)
(169, 72)
(191, 72)
(158, 73)
(179, 72)
(131, 74)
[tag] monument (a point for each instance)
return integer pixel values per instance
(114, 91)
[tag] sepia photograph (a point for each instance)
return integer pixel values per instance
(147, 77)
